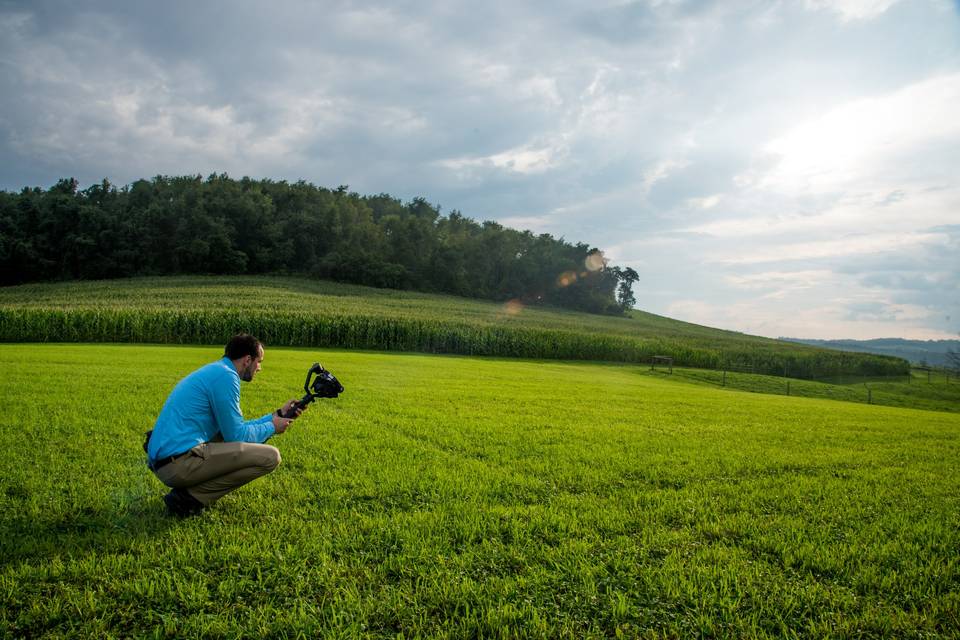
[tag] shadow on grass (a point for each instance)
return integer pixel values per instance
(77, 531)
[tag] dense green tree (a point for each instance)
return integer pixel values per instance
(188, 224)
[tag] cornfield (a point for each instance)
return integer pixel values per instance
(291, 312)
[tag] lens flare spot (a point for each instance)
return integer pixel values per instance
(595, 261)
(512, 307)
(566, 278)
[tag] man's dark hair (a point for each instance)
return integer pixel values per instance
(240, 345)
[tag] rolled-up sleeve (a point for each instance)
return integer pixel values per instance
(225, 402)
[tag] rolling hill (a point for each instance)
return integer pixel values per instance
(303, 312)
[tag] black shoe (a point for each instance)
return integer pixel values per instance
(181, 504)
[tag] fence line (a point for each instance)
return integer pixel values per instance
(866, 389)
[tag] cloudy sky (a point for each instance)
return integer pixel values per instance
(782, 168)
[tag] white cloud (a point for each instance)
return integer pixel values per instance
(871, 177)
(852, 9)
(804, 279)
(659, 172)
(540, 88)
(708, 202)
(868, 212)
(525, 159)
(823, 319)
(864, 142)
(522, 160)
(845, 246)
(538, 224)
(302, 117)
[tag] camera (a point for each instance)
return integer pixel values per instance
(320, 383)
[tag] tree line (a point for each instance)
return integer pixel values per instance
(189, 225)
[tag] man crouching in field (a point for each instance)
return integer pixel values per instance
(201, 446)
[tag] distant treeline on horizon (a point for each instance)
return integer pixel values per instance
(921, 352)
(187, 225)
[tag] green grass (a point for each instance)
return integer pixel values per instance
(300, 312)
(915, 391)
(459, 497)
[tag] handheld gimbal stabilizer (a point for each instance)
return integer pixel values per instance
(324, 385)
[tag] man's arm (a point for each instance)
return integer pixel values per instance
(225, 402)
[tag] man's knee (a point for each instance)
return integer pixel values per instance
(271, 457)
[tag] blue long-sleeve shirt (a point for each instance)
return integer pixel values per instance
(203, 403)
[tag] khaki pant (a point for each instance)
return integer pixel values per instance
(214, 469)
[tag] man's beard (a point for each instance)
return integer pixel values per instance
(247, 374)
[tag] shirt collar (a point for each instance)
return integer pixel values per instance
(228, 363)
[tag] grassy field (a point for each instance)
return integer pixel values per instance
(300, 312)
(915, 391)
(460, 497)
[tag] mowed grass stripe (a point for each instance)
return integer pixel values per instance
(460, 497)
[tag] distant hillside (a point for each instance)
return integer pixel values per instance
(305, 312)
(931, 352)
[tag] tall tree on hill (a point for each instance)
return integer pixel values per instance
(626, 277)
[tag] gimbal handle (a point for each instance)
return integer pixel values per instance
(315, 370)
(301, 404)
